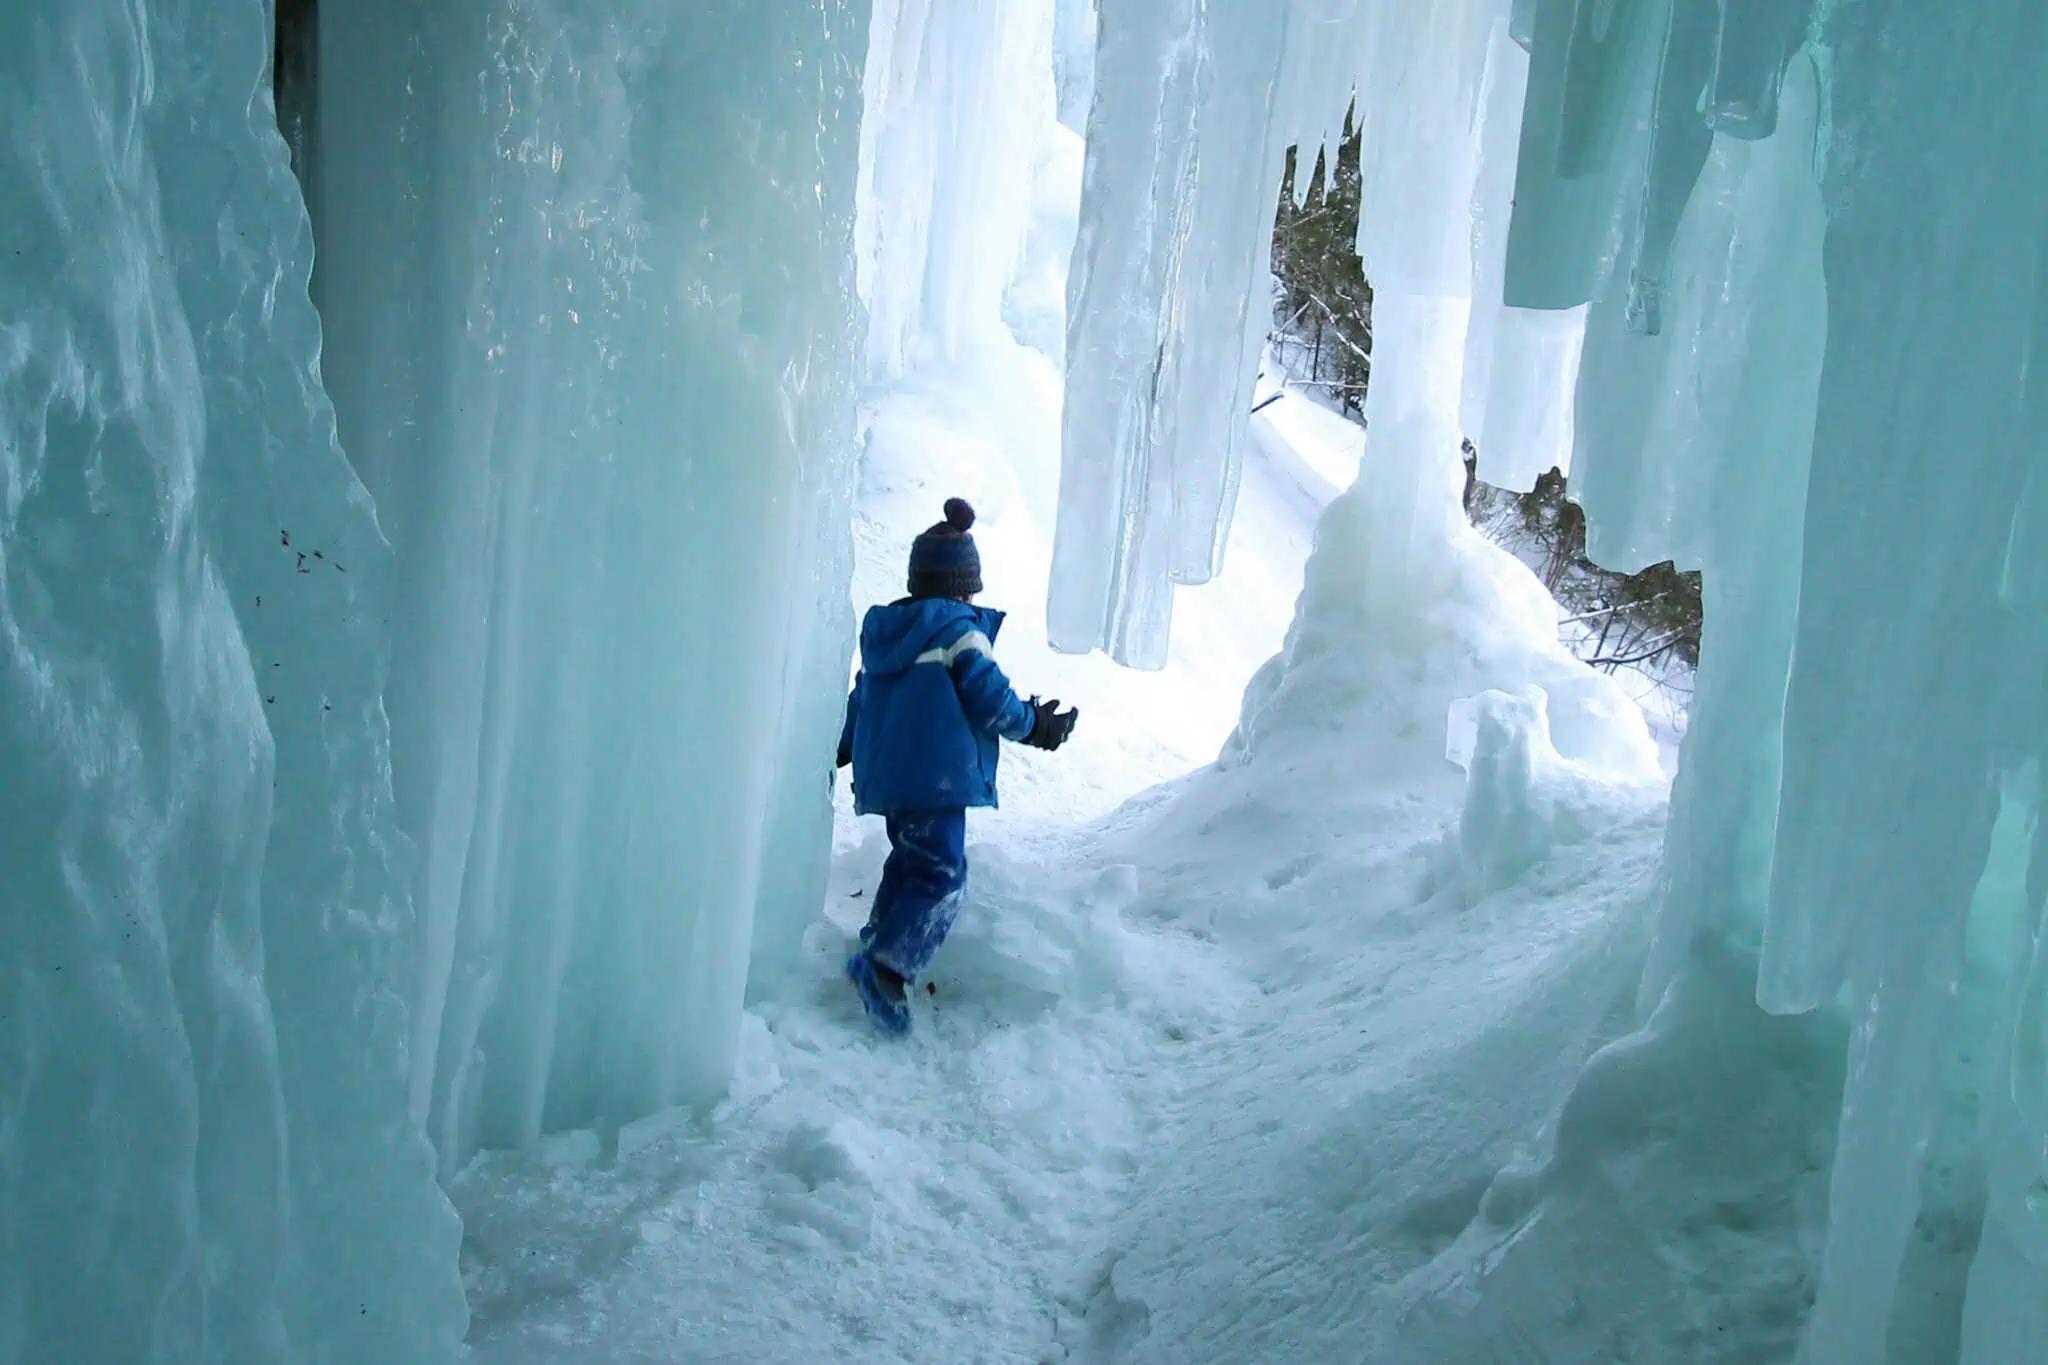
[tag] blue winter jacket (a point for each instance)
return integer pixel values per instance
(928, 708)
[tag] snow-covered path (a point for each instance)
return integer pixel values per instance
(1122, 1081)
(860, 1199)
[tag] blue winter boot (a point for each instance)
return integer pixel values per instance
(881, 992)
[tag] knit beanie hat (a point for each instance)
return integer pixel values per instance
(943, 561)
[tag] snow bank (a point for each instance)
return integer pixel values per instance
(1522, 797)
(1677, 1204)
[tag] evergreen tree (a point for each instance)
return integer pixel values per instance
(1323, 315)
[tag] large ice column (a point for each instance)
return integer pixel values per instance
(1453, 139)
(1920, 450)
(204, 1150)
(1692, 445)
(2006, 1305)
(587, 276)
(1841, 778)
(2006, 1309)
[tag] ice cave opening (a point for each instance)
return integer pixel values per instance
(424, 884)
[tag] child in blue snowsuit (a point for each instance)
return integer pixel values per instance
(922, 729)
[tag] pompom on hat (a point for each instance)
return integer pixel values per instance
(943, 561)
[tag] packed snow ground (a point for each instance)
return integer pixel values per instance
(973, 1195)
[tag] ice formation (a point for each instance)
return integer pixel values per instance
(204, 1149)
(590, 342)
(1806, 245)
(427, 780)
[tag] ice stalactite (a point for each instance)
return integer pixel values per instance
(956, 97)
(586, 275)
(1585, 126)
(204, 917)
(1161, 324)
(1809, 257)
(1516, 359)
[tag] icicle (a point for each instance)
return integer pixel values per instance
(1584, 125)
(1756, 38)
(1678, 148)
(1522, 23)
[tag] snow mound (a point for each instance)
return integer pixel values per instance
(1666, 1222)
(1035, 936)
(1522, 797)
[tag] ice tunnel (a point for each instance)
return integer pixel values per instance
(428, 434)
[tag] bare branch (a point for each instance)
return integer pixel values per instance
(1663, 645)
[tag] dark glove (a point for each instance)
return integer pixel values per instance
(845, 758)
(1050, 726)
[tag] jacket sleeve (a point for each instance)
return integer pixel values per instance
(846, 730)
(986, 695)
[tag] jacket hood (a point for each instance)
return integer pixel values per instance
(892, 636)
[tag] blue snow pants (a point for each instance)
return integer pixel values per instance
(920, 892)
